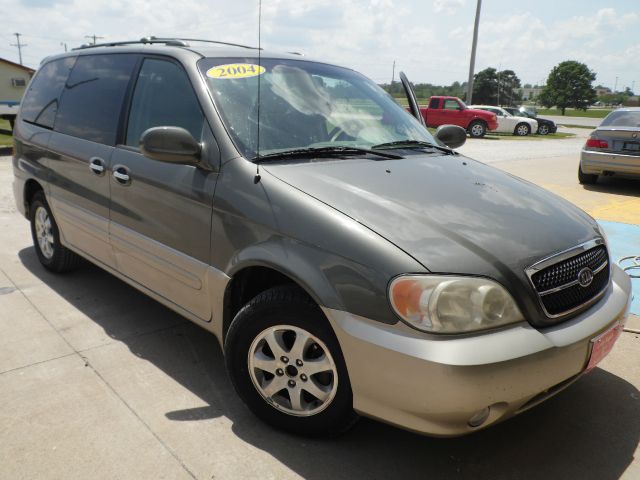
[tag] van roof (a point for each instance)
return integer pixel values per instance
(203, 47)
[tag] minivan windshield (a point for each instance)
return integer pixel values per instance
(304, 104)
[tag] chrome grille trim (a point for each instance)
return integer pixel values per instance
(558, 258)
(571, 284)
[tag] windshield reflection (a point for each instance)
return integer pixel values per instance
(304, 104)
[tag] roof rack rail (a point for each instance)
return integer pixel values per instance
(174, 42)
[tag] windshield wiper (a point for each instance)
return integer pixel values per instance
(412, 144)
(322, 152)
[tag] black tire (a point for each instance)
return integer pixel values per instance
(586, 178)
(477, 129)
(522, 129)
(287, 306)
(543, 129)
(60, 259)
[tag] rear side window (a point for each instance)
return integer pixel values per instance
(92, 99)
(163, 97)
(40, 103)
(434, 103)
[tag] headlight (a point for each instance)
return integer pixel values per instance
(449, 304)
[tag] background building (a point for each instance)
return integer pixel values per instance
(14, 79)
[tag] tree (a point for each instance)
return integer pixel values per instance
(485, 86)
(496, 88)
(508, 83)
(569, 85)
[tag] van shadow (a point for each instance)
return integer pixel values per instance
(626, 186)
(589, 431)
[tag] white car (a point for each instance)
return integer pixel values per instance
(508, 123)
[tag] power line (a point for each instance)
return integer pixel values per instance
(19, 45)
(94, 37)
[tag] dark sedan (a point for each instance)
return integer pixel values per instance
(545, 125)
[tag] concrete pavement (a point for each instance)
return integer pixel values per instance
(99, 381)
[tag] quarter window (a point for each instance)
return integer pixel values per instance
(93, 95)
(40, 103)
(163, 97)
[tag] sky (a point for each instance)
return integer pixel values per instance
(430, 40)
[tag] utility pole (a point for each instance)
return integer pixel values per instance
(633, 87)
(615, 88)
(472, 63)
(19, 45)
(94, 37)
(393, 74)
(64, 44)
(499, 67)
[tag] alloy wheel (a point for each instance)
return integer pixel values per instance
(44, 232)
(293, 370)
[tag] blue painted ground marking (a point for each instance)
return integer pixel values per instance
(624, 241)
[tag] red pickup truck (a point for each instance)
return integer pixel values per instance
(453, 111)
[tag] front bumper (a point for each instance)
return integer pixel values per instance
(599, 162)
(435, 384)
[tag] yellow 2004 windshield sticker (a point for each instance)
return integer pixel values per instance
(235, 70)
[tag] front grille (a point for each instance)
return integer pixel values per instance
(567, 271)
(557, 284)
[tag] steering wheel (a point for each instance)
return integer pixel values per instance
(335, 133)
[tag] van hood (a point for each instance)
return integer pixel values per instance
(450, 213)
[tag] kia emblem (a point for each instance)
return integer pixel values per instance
(585, 277)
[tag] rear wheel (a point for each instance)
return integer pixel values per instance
(285, 363)
(522, 129)
(586, 178)
(477, 129)
(46, 237)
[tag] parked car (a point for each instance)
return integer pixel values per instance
(545, 126)
(444, 110)
(508, 123)
(613, 147)
(348, 261)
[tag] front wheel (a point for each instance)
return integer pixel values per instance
(522, 129)
(477, 129)
(285, 363)
(543, 129)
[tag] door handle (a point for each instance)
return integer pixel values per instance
(121, 174)
(96, 164)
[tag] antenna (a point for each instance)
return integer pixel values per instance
(256, 179)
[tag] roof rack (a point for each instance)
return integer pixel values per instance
(173, 42)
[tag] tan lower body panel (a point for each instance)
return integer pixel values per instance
(178, 277)
(186, 285)
(82, 230)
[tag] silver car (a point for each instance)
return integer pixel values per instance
(613, 148)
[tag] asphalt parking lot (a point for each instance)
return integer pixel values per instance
(99, 381)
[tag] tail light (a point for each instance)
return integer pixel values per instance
(596, 143)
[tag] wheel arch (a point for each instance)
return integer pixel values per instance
(31, 187)
(252, 278)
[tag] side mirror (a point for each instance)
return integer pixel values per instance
(171, 145)
(452, 136)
